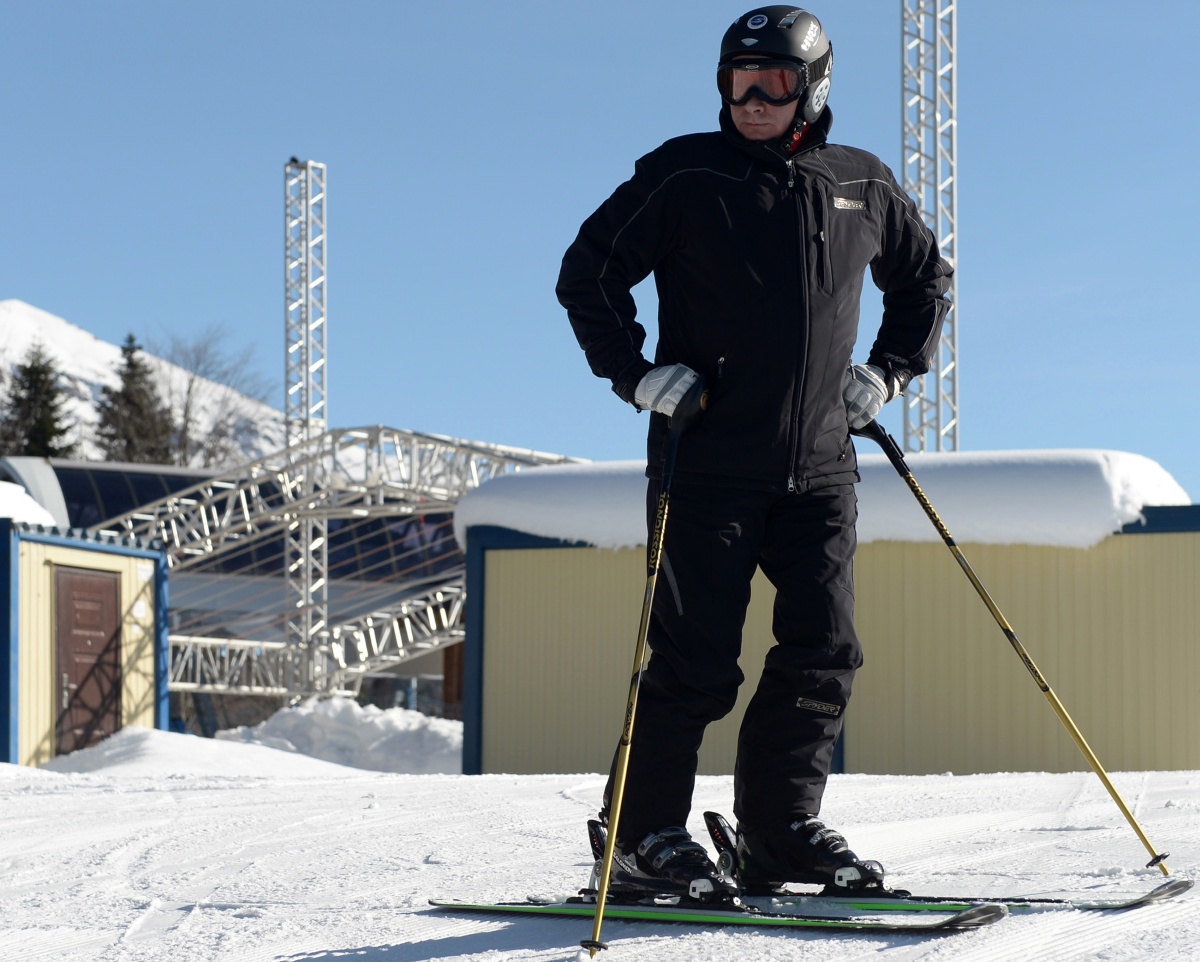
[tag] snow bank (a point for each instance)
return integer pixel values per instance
(150, 753)
(340, 730)
(1065, 498)
(16, 503)
(315, 738)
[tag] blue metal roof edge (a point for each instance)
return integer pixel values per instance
(88, 541)
(1166, 519)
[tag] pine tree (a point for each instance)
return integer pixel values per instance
(134, 424)
(33, 421)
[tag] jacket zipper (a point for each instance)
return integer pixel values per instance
(799, 399)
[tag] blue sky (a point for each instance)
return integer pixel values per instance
(142, 147)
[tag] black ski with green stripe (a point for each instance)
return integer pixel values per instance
(973, 917)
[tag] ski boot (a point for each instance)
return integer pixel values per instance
(805, 851)
(668, 863)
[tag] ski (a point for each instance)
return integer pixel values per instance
(1160, 893)
(887, 900)
(972, 917)
(900, 902)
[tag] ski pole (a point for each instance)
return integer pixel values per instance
(876, 433)
(687, 410)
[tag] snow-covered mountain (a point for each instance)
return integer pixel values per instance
(89, 364)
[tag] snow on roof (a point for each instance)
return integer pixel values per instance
(15, 503)
(1066, 498)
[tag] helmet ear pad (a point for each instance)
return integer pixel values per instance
(813, 100)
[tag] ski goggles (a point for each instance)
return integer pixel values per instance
(775, 82)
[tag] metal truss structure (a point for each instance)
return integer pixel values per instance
(305, 298)
(930, 140)
(229, 665)
(369, 472)
(305, 411)
(383, 638)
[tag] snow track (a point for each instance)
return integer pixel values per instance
(279, 858)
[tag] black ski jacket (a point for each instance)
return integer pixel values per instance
(758, 259)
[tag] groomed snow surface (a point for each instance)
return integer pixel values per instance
(158, 846)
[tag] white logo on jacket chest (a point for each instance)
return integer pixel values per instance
(849, 203)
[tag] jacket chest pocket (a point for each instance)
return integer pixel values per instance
(821, 239)
(845, 236)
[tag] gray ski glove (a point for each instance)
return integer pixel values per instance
(663, 387)
(866, 389)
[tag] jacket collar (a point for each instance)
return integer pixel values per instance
(817, 134)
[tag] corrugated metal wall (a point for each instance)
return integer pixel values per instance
(1114, 629)
(37, 709)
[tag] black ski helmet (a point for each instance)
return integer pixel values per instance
(786, 32)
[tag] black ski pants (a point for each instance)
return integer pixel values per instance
(716, 537)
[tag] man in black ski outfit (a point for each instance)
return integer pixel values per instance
(758, 237)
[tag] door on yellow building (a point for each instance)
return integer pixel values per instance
(88, 676)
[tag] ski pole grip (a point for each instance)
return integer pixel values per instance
(876, 432)
(690, 407)
(873, 430)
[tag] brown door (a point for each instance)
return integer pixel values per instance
(88, 680)
(452, 680)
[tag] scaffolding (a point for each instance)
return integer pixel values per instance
(930, 139)
(305, 413)
(371, 472)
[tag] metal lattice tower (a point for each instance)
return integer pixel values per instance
(305, 413)
(930, 140)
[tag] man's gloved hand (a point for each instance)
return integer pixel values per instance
(663, 387)
(866, 389)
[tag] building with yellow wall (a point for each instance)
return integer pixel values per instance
(1107, 605)
(84, 643)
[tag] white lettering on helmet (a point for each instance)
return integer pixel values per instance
(814, 31)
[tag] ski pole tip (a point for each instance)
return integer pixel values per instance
(593, 946)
